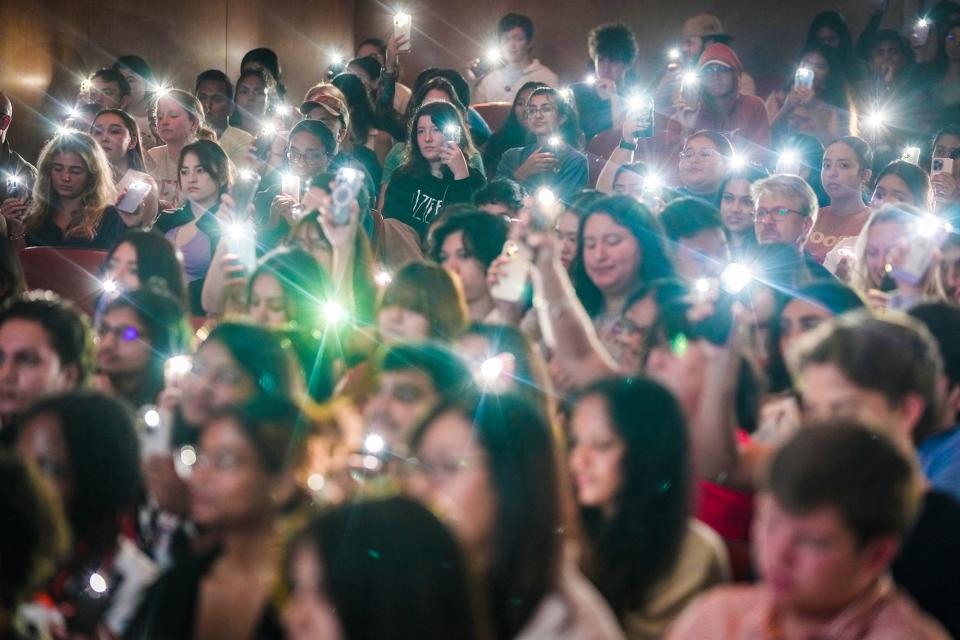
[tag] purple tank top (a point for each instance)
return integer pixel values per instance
(196, 254)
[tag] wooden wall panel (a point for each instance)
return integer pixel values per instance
(44, 50)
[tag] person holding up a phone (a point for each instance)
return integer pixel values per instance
(118, 135)
(499, 80)
(554, 160)
(613, 50)
(437, 171)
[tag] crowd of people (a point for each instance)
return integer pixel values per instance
(666, 357)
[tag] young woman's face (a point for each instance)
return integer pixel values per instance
(41, 442)
(398, 324)
(217, 381)
(306, 155)
(138, 86)
(881, 239)
(892, 189)
(196, 182)
(520, 107)
(429, 139)
(842, 175)
(629, 183)
(310, 238)
(885, 55)
(542, 116)
(229, 488)
(828, 37)
(174, 123)
(719, 80)
(456, 258)
(452, 476)
(820, 66)
(736, 207)
(252, 96)
(268, 304)
(113, 136)
(701, 165)
(951, 43)
(122, 267)
(797, 318)
(123, 346)
(567, 230)
(309, 613)
(611, 254)
(69, 175)
(596, 455)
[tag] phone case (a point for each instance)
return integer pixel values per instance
(134, 196)
(403, 25)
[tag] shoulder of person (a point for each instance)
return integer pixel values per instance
(173, 218)
(709, 610)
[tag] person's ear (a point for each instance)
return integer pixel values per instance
(5, 122)
(909, 413)
(877, 555)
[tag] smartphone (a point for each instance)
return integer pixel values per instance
(920, 33)
(512, 283)
(452, 133)
(346, 187)
(911, 155)
(643, 106)
(242, 242)
(403, 26)
(942, 165)
(788, 163)
(155, 431)
(690, 88)
(134, 196)
(919, 256)
(13, 187)
(290, 185)
(803, 78)
(244, 189)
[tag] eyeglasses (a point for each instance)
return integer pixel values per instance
(309, 157)
(220, 460)
(440, 470)
(716, 69)
(776, 214)
(704, 154)
(546, 110)
(124, 332)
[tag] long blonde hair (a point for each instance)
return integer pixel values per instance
(98, 193)
(901, 214)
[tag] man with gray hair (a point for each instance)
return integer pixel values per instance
(786, 210)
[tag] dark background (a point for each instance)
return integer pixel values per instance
(45, 45)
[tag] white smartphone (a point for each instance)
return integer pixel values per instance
(134, 196)
(911, 155)
(242, 242)
(803, 78)
(920, 33)
(156, 431)
(513, 281)
(941, 165)
(403, 26)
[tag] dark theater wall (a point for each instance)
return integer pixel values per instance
(44, 43)
(768, 33)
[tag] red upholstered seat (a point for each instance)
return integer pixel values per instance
(598, 150)
(495, 113)
(70, 273)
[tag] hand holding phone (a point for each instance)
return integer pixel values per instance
(402, 27)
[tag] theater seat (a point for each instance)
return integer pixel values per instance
(495, 113)
(598, 150)
(70, 273)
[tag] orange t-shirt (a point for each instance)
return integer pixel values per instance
(831, 229)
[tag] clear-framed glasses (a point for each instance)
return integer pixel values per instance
(310, 157)
(547, 110)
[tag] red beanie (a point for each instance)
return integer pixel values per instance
(721, 54)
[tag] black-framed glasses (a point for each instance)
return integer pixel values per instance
(310, 157)
(776, 214)
(547, 110)
(125, 332)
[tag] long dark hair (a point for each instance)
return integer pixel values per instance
(12, 283)
(134, 155)
(213, 160)
(836, 89)
(391, 570)
(654, 263)
(437, 83)
(510, 134)
(168, 335)
(363, 118)
(836, 22)
(441, 114)
(913, 176)
(570, 129)
(523, 470)
(632, 550)
(158, 267)
(104, 456)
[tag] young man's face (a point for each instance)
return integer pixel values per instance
(403, 397)
(812, 563)
(216, 101)
(514, 46)
(827, 393)
(610, 69)
(107, 94)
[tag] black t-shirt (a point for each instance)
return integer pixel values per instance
(108, 234)
(928, 566)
